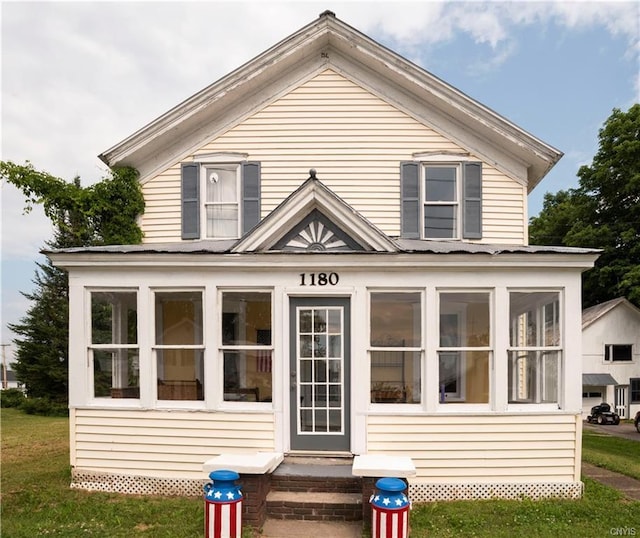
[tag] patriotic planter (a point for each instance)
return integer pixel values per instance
(390, 509)
(223, 506)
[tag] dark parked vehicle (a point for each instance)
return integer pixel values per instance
(636, 421)
(602, 414)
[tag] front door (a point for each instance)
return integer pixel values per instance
(320, 343)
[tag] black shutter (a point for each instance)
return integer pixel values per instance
(410, 200)
(250, 195)
(472, 201)
(190, 201)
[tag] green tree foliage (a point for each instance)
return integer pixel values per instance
(101, 214)
(602, 212)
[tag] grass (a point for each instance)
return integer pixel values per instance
(613, 453)
(37, 501)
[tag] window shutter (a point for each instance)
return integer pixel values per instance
(190, 201)
(472, 201)
(410, 199)
(250, 195)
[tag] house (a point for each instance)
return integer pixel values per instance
(611, 357)
(335, 263)
(9, 380)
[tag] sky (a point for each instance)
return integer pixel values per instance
(79, 77)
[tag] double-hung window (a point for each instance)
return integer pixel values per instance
(535, 347)
(396, 347)
(441, 200)
(220, 197)
(247, 346)
(114, 350)
(464, 351)
(221, 184)
(179, 345)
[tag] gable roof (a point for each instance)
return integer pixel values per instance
(329, 42)
(315, 199)
(592, 314)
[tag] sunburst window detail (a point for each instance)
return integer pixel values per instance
(316, 236)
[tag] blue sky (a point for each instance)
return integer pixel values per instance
(78, 77)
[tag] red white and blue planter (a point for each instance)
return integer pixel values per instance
(390, 509)
(223, 505)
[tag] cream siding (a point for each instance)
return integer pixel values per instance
(355, 140)
(164, 443)
(485, 449)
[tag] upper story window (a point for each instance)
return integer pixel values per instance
(220, 197)
(221, 213)
(441, 200)
(618, 352)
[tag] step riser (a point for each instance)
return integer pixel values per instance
(304, 484)
(315, 511)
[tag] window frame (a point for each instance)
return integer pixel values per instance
(609, 354)
(559, 349)
(634, 381)
(91, 348)
(154, 347)
(456, 203)
(221, 348)
(459, 403)
(203, 170)
(394, 406)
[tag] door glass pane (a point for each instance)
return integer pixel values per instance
(319, 379)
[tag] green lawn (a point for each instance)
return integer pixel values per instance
(613, 453)
(37, 501)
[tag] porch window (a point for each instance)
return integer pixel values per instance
(247, 346)
(464, 350)
(396, 347)
(535, 352)
(114, 344)
(179, 345)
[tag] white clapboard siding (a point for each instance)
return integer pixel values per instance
(163, 443)
(452, 448)
(355, 141)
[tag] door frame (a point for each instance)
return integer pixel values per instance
(322, 444)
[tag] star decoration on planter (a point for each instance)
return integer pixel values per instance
(230, 495)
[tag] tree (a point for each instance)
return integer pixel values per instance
(102, 214)
(602, 212)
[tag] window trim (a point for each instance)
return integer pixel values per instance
(456, 203)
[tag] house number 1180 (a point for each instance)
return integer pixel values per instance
(319, 279)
